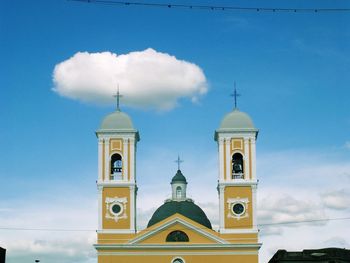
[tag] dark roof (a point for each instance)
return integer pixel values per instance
(179, 177)
(185, 208)
(335, 255)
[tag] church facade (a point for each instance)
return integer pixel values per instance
(179, 230)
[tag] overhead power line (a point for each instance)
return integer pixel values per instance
(214, 7)
(90, 230)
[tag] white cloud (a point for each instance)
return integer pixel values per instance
(338, 199)
(286, 192)
(147, 79)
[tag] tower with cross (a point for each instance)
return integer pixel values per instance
(179, 231)
(117, 141)
(237, 182)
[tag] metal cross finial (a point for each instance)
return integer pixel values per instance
(118, 96)
(178, 161)
(235, 95)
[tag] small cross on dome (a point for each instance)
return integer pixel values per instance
(235, 95)
(178, 161)
(118, 96)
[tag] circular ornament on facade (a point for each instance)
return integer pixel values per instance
(238, 209)
(116, 209)
(178, 260)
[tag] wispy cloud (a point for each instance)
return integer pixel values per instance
(287, 192)
(337, 199)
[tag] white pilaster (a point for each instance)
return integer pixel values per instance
(228, 159)
(254, 212)
(221, 159)
(253, 160)
(247, 174)
(107, 160)
(100, 153)
(125, 160)
(132, 159)
(99, 206)
(221, 207)
(132, 209)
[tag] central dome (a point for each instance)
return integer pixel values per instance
(186, 208)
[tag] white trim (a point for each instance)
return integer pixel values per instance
(115, 184)
(247, 161)
(176, 258)
(239, 182)
(221, 159)
(121, 201)
(228, 159)
(221, 206)
(99, 204)
(173, 222)
(233, 201)
(99, 157)
(107, 161)
(125, 173)
(132, 159)
(237, 134)
(132, 209)
(254, 208)
(253, 161)
(174, 247)
(115, 231)
(171, 253)
(239, 231)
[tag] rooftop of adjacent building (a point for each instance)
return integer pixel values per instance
(335, 255)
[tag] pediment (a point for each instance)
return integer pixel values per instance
(197, 234)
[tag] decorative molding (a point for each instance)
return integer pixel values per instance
(177, 258)
(239, 231)
(172, 247)
(110, 202)
(171, 253)
(173, 222)
(231, 202)
(115, 231)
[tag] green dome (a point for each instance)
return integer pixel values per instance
(185, 208)
(117, 121)
(179, 177)
(237, 120)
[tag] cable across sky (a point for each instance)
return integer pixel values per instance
(214, 7)
(90, 230)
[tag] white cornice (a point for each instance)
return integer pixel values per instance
(116, 184)
(188, 246)
(116, 231)
(239, 231)
(238, 182)
(182, 222)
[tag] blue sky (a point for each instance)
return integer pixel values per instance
(292, 70)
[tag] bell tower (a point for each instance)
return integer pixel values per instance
(237, 181)
(117, 140)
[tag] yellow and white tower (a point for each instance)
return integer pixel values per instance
(237, 182)
(116, 183)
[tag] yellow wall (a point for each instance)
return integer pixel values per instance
(123, 223)
(172, 255)
(114, 238)
(193, 237)
(240, 238)
(238, 192)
